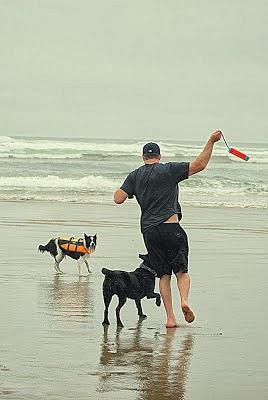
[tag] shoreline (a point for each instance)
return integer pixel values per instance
(110, 203)
(129, 214)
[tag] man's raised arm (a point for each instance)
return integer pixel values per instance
(203, 158)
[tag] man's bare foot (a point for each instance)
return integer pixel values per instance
(188, 313)
(172, 324)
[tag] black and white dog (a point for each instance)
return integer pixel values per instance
(133, 285)
(78, 249)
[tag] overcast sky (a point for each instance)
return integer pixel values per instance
(146, 69)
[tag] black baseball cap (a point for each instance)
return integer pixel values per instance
(151, 148)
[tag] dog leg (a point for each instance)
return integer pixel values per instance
(158, 300)
(59, 270)
(139, 307)
(122, 301)
(107, 300)
(155, 296)
(79, 267)
(87, 265)
(56, 267)
(58, 259)
(59, 256)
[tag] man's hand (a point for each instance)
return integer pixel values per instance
(215, 136)
(202, 160)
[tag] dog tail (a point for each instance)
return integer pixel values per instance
(42, 248)
(107, 272)
(48, 247)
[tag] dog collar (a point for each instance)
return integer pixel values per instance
(148, 269)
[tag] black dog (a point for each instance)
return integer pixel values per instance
(133, 285)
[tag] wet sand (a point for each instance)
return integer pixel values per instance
(52, 343)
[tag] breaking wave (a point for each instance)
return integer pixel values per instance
(198, 191)
(30, 148)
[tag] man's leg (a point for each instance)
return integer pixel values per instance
(183, 279)
(165, 290)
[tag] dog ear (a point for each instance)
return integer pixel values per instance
(85, 235)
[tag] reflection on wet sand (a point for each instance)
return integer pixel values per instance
(170, 370)
(155, 367)
(70, 299)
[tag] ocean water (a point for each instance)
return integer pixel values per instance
(89, 170)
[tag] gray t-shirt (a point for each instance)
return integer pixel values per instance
(156, 189)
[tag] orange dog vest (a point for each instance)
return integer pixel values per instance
(72, 245)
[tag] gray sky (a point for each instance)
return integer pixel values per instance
(134, 69)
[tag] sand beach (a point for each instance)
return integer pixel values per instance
(52, 343)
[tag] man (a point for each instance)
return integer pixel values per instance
(155, 186)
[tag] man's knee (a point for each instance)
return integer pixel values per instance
(181, 274)
(165, 277)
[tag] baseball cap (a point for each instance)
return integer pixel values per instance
(151, 148)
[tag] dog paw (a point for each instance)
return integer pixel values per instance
(158, 302)
(143, 316)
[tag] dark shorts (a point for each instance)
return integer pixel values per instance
(167, 247)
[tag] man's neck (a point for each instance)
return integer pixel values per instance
(152, 161)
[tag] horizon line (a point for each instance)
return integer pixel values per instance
(126, 139)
